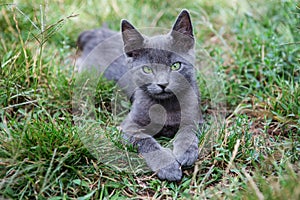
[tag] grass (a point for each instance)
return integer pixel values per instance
(249, 79)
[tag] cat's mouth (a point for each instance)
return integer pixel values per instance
(162, 95)
(158, 92)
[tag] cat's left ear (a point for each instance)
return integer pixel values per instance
(182, 30)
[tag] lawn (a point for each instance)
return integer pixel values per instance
(248, 61)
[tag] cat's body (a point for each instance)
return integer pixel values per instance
(158, 75)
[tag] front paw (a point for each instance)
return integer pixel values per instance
(189, 157)
(171, 172)
(164, 163)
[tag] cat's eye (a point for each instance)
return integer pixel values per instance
(147, 69)
(176, 66)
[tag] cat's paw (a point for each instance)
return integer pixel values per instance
(189, 157)
(164, 163)
(171, 172)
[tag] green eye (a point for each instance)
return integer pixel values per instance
(175, 66)
(147, 69)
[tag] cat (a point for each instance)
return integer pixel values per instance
(158, 75)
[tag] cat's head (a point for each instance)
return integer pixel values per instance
(161, 65)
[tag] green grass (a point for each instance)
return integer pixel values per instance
(249, 77)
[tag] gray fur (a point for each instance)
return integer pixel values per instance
(164, 102)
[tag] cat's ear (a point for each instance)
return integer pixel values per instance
(182, 30)
(132, 39)
(183, 24)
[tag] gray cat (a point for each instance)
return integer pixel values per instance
(158, 76)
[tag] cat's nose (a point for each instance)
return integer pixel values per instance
(163, 85)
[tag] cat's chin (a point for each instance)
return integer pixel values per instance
(162, 95)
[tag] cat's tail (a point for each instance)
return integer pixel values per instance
(83, 39)
(87, 40)
(101, 49)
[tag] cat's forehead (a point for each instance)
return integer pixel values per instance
(163, 42)
(166, 44)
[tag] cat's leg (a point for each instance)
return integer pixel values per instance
(185, 145)
(159, 159)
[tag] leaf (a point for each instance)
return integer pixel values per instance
(87, 196)
(56, 198)
(81, 183)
